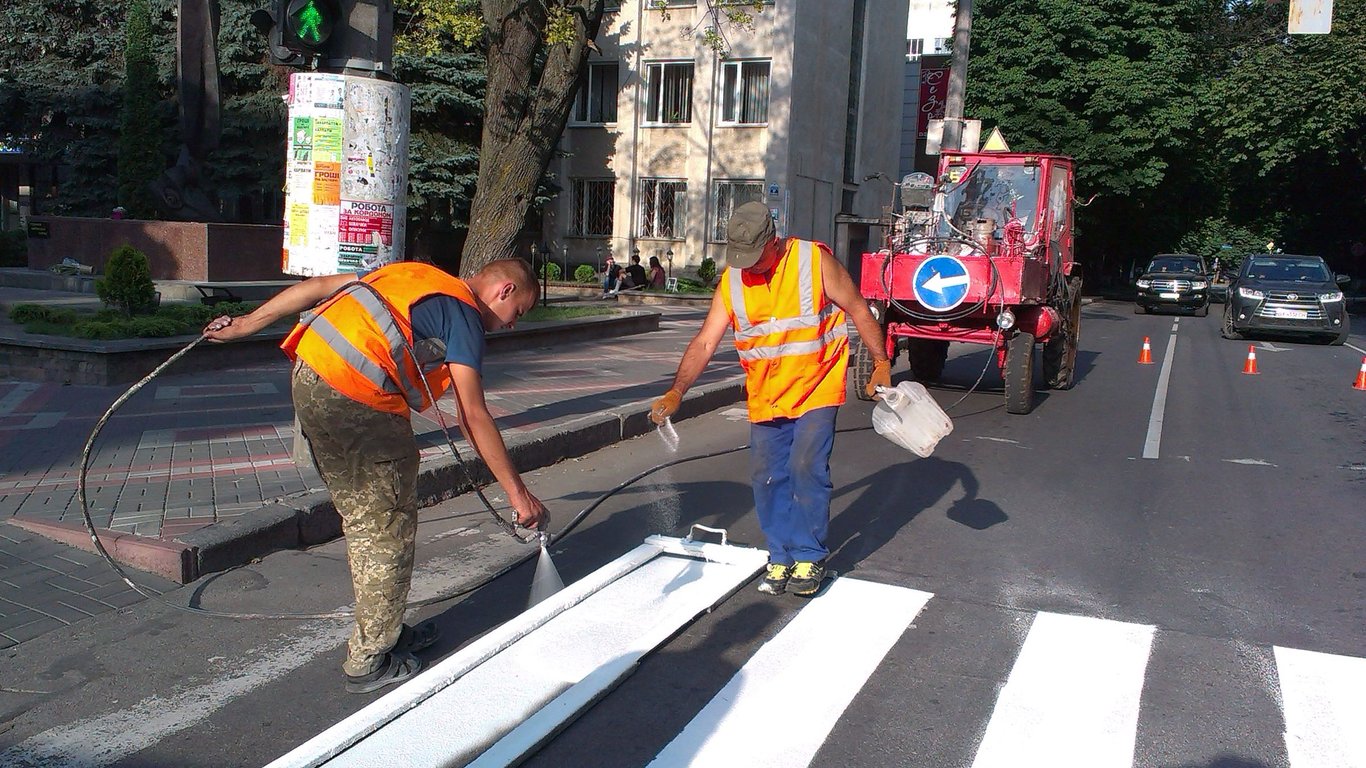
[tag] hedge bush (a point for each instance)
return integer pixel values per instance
(550, 271)
(706, 271)
(586, 274)
(127, 284)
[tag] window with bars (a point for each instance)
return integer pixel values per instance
(729, 195)
(663, 208)
(591, 207)
(744, 93)
(596, 101)
(669, 98)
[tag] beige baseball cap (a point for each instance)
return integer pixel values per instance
(749, 230)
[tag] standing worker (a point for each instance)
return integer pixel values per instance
(354, 382)
(785, 299)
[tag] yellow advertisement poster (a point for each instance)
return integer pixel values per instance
(326, 183)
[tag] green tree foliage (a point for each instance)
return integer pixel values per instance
(127, 282)
(139, 137)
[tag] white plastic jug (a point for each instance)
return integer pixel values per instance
(909, 417)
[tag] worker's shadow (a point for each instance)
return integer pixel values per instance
(885, 501)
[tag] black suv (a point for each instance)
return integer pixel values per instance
(1173, 281)
(1286, 294)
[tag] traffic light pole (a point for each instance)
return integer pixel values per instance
(346, 167)
(958, 77)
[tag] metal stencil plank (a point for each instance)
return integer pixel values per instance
(821, 658)
(573, 657)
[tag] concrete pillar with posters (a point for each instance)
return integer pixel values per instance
(346, 166)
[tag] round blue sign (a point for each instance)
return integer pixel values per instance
(941, 283)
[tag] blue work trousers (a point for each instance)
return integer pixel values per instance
(791, 479)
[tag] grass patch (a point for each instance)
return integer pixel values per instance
(539, 314)
(107, 324)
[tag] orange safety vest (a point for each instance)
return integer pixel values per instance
(792, 340)
(361, 344)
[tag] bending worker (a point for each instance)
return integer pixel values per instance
(785, 299)
(354, 384)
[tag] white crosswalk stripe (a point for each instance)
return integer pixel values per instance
(1324, 698)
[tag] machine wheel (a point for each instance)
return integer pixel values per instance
(1139, 309)
(1019, 373)
(862, 367)
(1060, 351)
(927, 358)
(1341, 338)
(1226, 328)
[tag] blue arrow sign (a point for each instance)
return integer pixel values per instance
(941, 283)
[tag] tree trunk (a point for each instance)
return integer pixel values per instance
(526, 108)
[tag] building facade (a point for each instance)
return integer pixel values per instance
(929, 37)
(668, 136)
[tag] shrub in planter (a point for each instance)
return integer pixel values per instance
(585, 274)
(550, 271)
(155, 327)
(127, 282)
(706, 271)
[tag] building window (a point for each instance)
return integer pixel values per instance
(591, 201)
(663, 208)
(596, 101)
(670, 96)
(915, 47)
(727, 196)
(941, 44)
(744, 97)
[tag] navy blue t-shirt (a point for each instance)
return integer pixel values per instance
(447, 320)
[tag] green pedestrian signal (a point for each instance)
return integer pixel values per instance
(309, 24)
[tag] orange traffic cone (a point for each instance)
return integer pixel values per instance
(1146, 356)
(1251, 365)
(1360, 383)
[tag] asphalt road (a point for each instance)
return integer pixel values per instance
(1217, 512)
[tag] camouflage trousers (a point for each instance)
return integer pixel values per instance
(368, 460)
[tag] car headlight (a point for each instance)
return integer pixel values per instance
(1249, 293)
(1144, 284)
(1199, 285)
(1330, 296)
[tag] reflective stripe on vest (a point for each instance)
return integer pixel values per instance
(791, 340)
(360, 340)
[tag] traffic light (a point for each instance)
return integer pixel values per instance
(299, 31)
(307, 26)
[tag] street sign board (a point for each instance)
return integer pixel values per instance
(941, 283)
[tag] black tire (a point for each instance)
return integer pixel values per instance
(1341, 338)
(1019, 373)
(1226, 328)
(1139, 309)
(861, 367)
(927, 358)
(1060, 351)
(1203, 311)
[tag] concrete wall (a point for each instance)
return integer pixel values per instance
(176, 250)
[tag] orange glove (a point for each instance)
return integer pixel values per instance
(880, 377)
(665, 406)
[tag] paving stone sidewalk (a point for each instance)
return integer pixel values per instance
(193, 449)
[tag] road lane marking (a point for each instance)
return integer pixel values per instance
(1353, 346)
(1250, 462)
(1072, 698)
(1153, 443)
(1323, 698)
(861, 619)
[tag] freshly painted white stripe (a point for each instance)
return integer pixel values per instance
(1071, 700)
(1353, 346)
(1251, 462)
(1153, 442)
(821, 658)
(1324, 700)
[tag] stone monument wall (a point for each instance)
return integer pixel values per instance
(177, 250)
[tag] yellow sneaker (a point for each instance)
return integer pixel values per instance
(775, 581)
(806, 578)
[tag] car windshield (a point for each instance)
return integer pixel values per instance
(996, 192)
(1288, 270)
(1169, 264)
